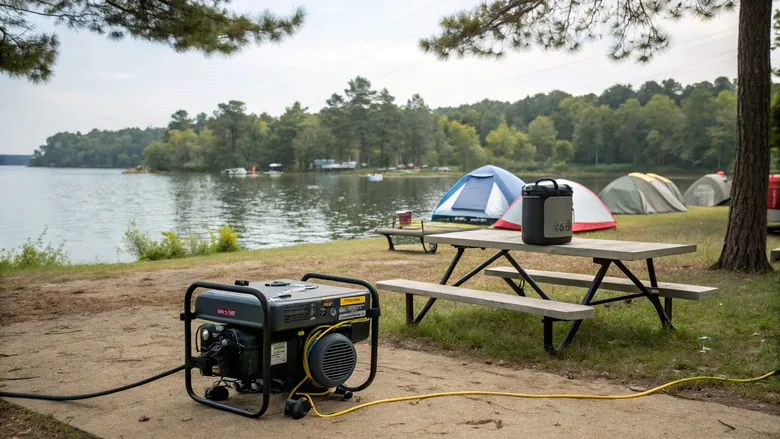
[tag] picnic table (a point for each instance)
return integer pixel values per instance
(410, 229)
(605, 253)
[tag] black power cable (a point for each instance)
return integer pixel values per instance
(92, 395)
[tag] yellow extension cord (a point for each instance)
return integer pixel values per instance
(320, 331)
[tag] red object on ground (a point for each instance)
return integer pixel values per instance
(404, 217)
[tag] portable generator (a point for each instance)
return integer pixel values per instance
(279, 336)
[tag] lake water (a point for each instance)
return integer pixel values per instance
(90, 209)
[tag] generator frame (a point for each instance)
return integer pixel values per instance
(191, 362)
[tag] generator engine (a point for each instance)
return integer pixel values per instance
(277, 336)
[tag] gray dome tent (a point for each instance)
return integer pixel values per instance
(637, 193)
(670, 185)
(710, 190)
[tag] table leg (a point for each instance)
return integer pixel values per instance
(409, 308)
(518, 289)
(548, 335)
(594, 286)
(460, 281)
(665, 321)
(654, 284)
(432, 300)
(526, 277)
(390, 245)
(453, 263)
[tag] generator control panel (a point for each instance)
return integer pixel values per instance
(292, 304)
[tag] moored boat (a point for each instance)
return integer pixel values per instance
(235, 171)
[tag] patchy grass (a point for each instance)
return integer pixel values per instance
(624, 342)
(32, 255)
(18, 422)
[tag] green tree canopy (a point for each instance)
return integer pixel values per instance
(542, 134)
(490, 28)
(368, 123)
(202, 25)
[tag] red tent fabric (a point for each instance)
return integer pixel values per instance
(590, 213)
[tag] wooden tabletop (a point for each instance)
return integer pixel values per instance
(593, 248)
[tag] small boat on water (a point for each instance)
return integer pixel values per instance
(375, 177)
(275, 169)
(235, 171)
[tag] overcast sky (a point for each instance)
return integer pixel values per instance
(110, 85)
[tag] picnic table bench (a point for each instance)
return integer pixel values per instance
(406, 229)
(774, 255)
(605, 253)
(551, 311)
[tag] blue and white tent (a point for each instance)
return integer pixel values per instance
(479, 197)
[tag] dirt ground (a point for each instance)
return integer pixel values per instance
(91, 352)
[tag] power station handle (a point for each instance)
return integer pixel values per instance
(374, 319)
(555, 183)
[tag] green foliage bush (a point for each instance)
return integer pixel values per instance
(173, 246)
(559, 166)
(33, 254)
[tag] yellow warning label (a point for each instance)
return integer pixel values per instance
(353, 300)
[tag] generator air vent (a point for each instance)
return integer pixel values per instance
(332, 360)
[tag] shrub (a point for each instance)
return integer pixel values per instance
(173, 246)
(33, 254)
(560, 166)
(227, 241)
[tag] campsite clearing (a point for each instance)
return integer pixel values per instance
(115, 340)
(623, 342)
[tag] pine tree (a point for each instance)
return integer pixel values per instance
(486, 30)
(184, 25)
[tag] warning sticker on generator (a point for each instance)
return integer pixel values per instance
(352, 311)
(353, 300)
(278, 353)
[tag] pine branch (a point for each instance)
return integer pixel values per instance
(184, 25)
(563, 24)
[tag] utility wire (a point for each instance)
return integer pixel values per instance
(378, 51)
(682, 45)
(359, 57)
(355, 40)
(664, 73)
(547, 69)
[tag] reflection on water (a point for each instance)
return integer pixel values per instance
(89, 209)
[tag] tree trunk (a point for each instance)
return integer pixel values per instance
(744, 248)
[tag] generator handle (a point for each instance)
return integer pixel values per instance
(188, 316)
(374, 316)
